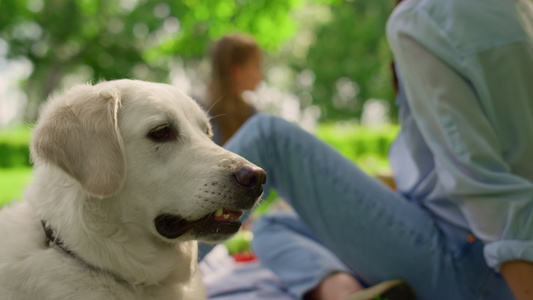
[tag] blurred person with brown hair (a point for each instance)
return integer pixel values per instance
(236, 63)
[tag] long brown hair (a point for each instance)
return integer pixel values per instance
(225, 105)
(394, 77)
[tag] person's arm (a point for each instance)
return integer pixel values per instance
(518, 274)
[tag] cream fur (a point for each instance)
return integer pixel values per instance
(99, 181)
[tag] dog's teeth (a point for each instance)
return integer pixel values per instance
(226, 216)
(219, 212)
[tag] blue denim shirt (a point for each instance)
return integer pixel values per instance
(465, 150)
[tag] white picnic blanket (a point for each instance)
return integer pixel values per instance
(227, 279)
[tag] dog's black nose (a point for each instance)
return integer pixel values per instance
(250, 176)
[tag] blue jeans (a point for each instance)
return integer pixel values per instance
(352, 222)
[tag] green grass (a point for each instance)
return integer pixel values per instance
(12, 183)
(14, 152)
(367, 147)
(15, 170)
(19, 135)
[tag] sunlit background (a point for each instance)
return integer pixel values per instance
(324, 58)
(326, 63)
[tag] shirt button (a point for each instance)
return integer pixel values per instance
(470, 238)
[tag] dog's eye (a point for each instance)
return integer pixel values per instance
(162, 133)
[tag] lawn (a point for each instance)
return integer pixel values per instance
(12, 183)
(365, 146)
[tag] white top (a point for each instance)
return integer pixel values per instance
(465, 151)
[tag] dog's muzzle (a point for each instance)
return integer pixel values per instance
(248, 183)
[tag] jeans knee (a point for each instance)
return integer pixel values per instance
(258, 137)
(261, 118)
(270, 127)
(256, 131)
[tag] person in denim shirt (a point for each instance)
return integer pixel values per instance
(460, 225)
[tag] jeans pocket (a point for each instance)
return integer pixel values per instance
(467, 255)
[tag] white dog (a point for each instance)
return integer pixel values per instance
(126, 179)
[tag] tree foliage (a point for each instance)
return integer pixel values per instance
(351, 59)
(110, 39)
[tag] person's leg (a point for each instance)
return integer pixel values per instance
(285, 245)
(376, 232)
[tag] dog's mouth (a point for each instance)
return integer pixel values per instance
(215, 226)
(226, 215)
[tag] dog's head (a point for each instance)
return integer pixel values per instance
(148, 148)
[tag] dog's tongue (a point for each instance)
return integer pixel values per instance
(227, 215)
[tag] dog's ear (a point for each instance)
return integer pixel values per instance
(78, 132)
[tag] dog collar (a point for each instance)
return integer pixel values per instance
(52, 240)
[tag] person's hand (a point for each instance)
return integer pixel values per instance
(519, 277)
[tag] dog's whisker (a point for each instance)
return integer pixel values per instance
(214, 117)
(215, 103)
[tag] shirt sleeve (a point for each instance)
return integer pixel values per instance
(467, 146)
